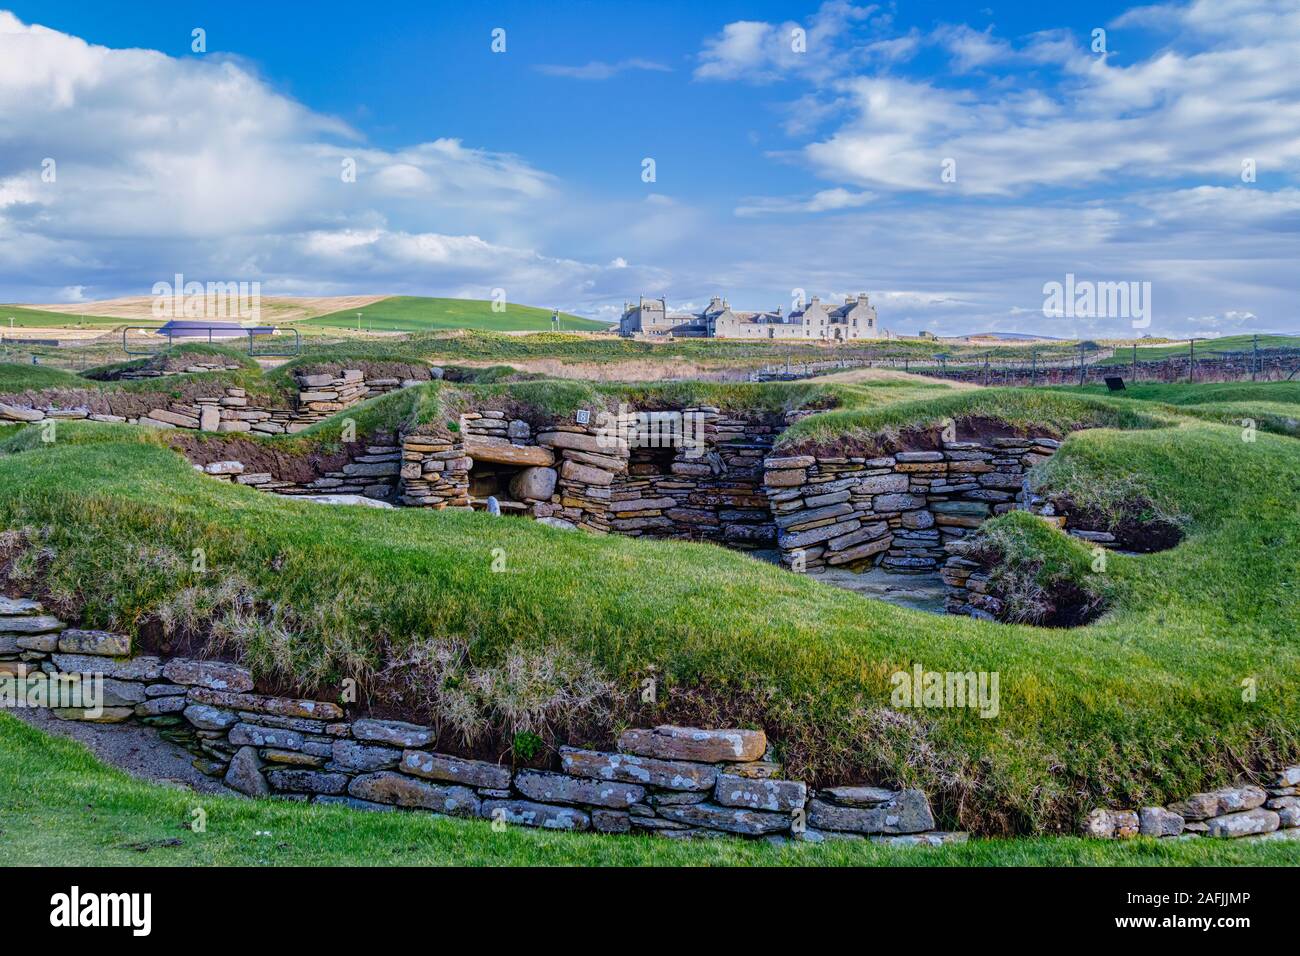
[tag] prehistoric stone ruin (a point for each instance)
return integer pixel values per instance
(673, 782)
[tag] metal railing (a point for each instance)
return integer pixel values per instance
(193, 335)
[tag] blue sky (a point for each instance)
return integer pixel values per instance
(776, 169)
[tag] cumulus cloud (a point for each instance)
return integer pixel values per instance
(120, 166)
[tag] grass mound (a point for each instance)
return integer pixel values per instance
(1142, 706)
(872, 429)
(1037, 574)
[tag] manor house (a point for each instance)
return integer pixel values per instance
(855, 319)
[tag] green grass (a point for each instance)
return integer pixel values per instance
(1271, 406)
(1204, 348)
(1040, 411)
(1143, 706)
(61, 806)
(20, 378)
(406, 313)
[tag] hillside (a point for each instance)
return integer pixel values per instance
(406, 313)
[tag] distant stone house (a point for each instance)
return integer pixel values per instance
(816, 321)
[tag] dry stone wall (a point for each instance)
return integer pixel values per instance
(227, 409)
(673, 782)
(898, 510)
(669, 781)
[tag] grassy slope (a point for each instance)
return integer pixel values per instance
(1272, 406)
(1144, 706)
(405, 313)
(59, 805)
(38, 318)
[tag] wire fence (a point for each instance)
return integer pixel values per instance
(1201, 362)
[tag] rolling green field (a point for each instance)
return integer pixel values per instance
(405, 313)
(61, 806)
(1143, 706)
(36, 318)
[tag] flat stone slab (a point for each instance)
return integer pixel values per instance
(387, 786)
(30, 624)
(251, 735)
(1202, 806)
(692, 743)
(215, 675)
(647, 771)
(11, 607)
(561, 788)
(94, 643)
(908, 811)
(760, 794)
(1245, 823)
(729, 819)
(474, 773)
(137, 668)
(393, 732)
(280, 706)
(528, 814)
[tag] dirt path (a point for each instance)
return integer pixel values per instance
(134, 748)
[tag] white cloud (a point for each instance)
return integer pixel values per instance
(827, 200)
(600, 70)
(165, 165)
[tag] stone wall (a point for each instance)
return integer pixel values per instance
(899, 510)
(580, 476)
(227, 409)
(373, 474)
(673, 782)
(1271, 812)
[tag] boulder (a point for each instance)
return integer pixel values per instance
(1159, 822)
(245, 774)
(691, 743)
(537, 484)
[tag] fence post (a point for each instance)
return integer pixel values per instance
(1191, 363)
(1254, 358)
(1135, 363)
